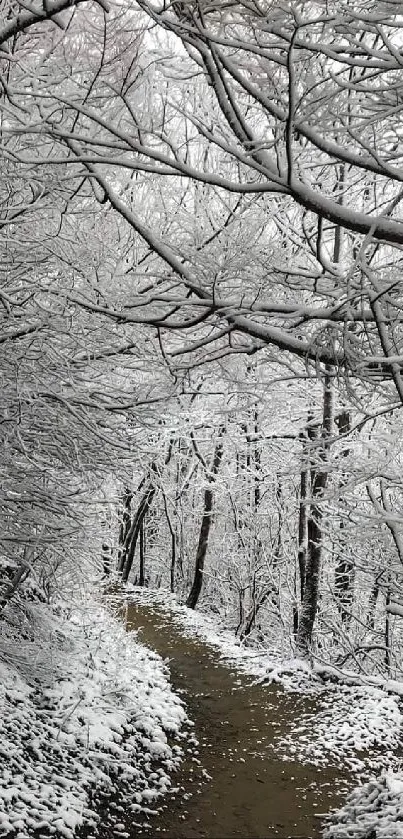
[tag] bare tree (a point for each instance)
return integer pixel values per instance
(319, 478)
(286, 170)
(207, 517)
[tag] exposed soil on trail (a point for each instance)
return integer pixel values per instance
(250, 791)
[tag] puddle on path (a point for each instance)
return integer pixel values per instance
(252, 792)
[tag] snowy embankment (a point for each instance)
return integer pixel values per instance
(372, 811)
(358, 726)
(89, 714)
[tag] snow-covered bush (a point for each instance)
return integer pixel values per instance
(372, 811)
(98, 719)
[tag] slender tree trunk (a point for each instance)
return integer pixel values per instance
(303, 529)
(314, 527)
(260, 595)
(173, 545)
(142, 552)
(107, 556)
(124, 529)
(18, 578)
(278, 546)
(205, 525)
(248, 621)
(344, 569)
(257, 488)
(307, 475)
(387, 630)
(311, 588)
(384, 507)
(134, 533)
(201, 549)
(257, 459)
(373, 599)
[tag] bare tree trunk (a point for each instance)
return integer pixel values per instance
(307, 438)
(257, 460)
(251, 599)
(248, 621)
(107, 557)
(201, 549)
(173, 544)
(383, 507)
(257, 478)
(124, 529)
(206, 523)
(259, 597)
(303, 529)
(142, 552)
(373, 599)
(314, 527)
(387, 630)
(344, 569)
(134, 533)
(18, 578)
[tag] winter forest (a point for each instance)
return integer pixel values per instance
(201, 368)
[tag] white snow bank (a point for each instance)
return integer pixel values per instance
(107, 717)
(371, 811)
(355, 725)
(349, 677)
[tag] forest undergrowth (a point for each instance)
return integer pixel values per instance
(87, 715)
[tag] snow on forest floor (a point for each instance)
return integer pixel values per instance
(86, 703)
(100, 710)
(354, 725)
(373, 810)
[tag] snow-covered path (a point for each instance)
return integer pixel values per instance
(240, 782)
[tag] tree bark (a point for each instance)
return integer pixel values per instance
(134, 533)
(173, 544)
(124, 529)
(257, 458)
(107, 559)
(206, 523)
(373, 599)
(344, 569)
(142, 552)
(307, 474)
(248, 621)
(387, 630)
(302, 530)
(314, 526)
(20, 575)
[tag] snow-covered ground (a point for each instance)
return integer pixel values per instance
(354, 725)
(87, 705)
(84, 703)
(372, 811)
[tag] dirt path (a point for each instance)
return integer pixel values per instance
(252, 791)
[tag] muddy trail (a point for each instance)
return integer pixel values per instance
(250, 790)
